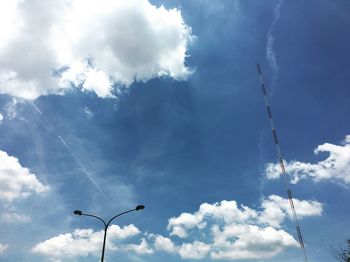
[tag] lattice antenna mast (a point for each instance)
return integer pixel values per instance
(281, 162)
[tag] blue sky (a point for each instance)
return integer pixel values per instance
(107, 105)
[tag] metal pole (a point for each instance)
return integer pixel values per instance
(280, 159)
(104, 244)
(79, 213)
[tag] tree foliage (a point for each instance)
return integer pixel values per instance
(341, 253)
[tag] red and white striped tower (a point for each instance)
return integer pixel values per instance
(281, 162)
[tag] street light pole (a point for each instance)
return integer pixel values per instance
(106, 225)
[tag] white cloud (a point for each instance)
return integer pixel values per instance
(250, 242)
(162, 243)
(195, 250)
(276, 208)
(225, 210)
(335, 168)
(228, 211)
(232, 232)
(49, 45)
(3, 248)
(142, 248)
(220, 231)
(85, 242)
(179, 225)
(231, 241)
(17, 181)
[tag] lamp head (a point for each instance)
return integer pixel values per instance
(77, 212)
(139, 207)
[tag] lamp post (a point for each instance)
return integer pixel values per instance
(79, 213)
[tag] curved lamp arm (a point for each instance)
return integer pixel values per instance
(89, 215)
(139, 207)
(79, 213)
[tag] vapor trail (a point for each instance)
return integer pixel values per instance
(88, 175)
(270, 50)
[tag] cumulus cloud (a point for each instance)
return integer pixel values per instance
(48, 47)
(195, 250)
(228, 211)
(237, 232)
(3, 248)
(142, 248)
(16, 181)
(1, 118)
(162, 243)
(252, 242)
(334, 168)
(276, 208)
(219, 231)
(85, 242)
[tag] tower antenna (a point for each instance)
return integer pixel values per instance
(281, 162)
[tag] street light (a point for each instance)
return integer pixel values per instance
(79, 213)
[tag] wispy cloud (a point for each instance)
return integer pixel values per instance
(335, 168)
(88, 112)
(3, 247)
(271, 55)
(12, 217)
(10, 108)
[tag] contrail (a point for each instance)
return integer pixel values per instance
(89, 176)
(270, 50)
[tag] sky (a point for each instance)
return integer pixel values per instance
(105, 105)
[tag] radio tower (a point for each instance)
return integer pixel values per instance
(281, 162)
